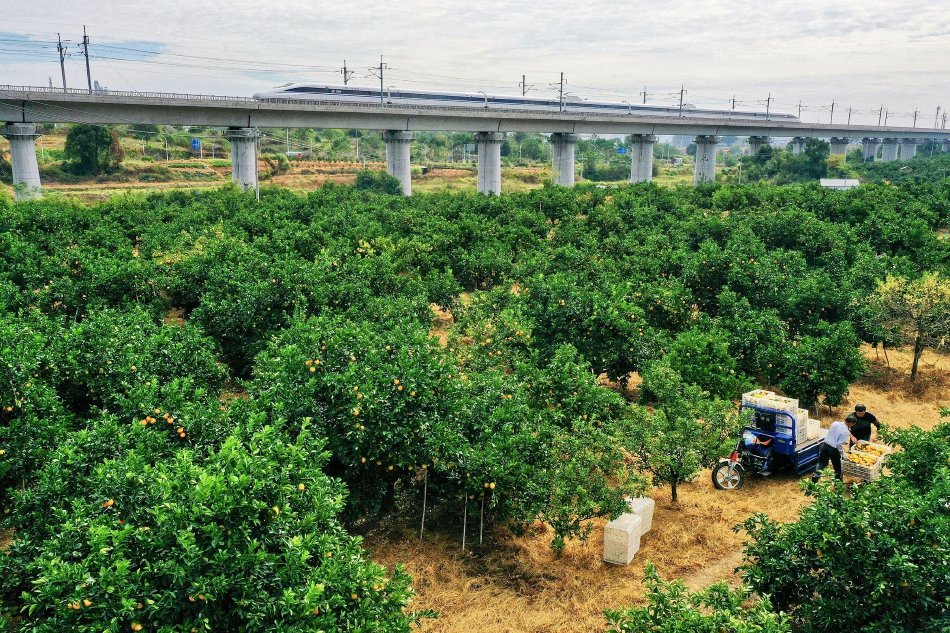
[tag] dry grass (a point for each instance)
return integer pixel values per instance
(514, 583)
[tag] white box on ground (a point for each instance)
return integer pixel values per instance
(642, 507)
(622, 539)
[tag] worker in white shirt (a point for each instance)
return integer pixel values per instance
(838, 435)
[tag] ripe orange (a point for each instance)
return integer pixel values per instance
(313, 369)
(136, 626)
(301, 487)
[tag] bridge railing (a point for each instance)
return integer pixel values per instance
(29, 90)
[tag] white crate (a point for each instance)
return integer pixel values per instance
(642, 507)
(622, 539)
(781, 403)
(757, 397)
(814, 427)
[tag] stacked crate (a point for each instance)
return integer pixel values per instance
(769, 400)
(622, 539)
(814, 428)
(642, 507)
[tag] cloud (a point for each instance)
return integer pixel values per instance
(862, 52)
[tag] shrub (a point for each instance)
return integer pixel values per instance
(93, 149)
(673, 609)
(378, 181)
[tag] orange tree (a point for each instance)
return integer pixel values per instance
(247, 539)
(684, 430)
(400, 413)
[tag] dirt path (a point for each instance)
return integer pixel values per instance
(723, 569)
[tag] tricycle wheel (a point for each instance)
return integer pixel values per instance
(728, 476)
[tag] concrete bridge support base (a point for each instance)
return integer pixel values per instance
(705, 158)
(889, 149)
(869, 149)
(26, 171)
(563, 146)
(839, 146)
(798, 144)
(398, 164)
(489, 162)
(243, 156)
(908, 148)
(641, 159)
(756, 143)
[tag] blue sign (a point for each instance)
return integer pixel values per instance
(621, 150)
(196, 144)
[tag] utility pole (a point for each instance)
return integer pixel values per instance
(644, 93)
(166, 148)
(887, 113)
(944, 125)
(799, 108)
(880, 113)
(85, 51)
(288, 141)
(936, 117)
(915, 117)
(768, 105)
(560, 98)
(346, 73)
(832, 119)
(849, 115)
(379, 69)
(682, 94)
(733, 103)
(62, 58)
(524, 85)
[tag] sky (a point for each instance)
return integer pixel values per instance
(859, 54)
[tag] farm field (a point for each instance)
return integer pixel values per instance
(218, 412)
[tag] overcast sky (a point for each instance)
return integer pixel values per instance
(858, 53)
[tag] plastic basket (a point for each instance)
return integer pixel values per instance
(781, 403)
(757, 397)
(859, 471)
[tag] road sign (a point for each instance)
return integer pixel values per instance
(196, 144)
(621, 150)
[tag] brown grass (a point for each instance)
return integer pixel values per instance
(515, 584)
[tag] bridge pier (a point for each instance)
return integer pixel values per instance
(243, 156)
(839, 145)
(26, 171)
(705, 158)
(798, 144)
(398, 163)
(641, 159)
(889, 149)
(756, 143)
(489, 162)
(869, 148)
(908, 148)
(563, 146)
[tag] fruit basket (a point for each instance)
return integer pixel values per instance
(864, 460)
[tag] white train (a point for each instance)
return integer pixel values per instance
(348, 94)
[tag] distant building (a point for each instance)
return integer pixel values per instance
(840, 183)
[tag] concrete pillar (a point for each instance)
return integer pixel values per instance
(798, 144)
(839, 146)
(946, 146)
(889, 151)
(705, 158)
(489, 162)
(641, 159)
(756, 143)
(908, 148)
(243, 156)
(398, 164)
(562, 152)
(869, 148)
(26, 171)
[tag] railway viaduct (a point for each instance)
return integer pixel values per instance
(21, 108)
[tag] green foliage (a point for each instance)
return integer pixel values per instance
(267, 551)
(683, 432)
(825, 363)
(378, 182)
(872, 561)
(673, 609)
(93, 149)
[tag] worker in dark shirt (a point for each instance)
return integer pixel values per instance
(863, 420)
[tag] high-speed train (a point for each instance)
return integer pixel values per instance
(349, 94)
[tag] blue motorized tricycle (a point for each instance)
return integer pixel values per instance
(767, 443)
